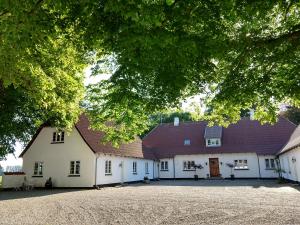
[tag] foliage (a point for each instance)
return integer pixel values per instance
(167, 117)
(292, 114)
(40, 70)
(238, 54)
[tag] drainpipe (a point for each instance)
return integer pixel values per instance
(153, 170)
(96, 172)
(174, 168)
(258, 167)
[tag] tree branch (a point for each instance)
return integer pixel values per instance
(37, 4)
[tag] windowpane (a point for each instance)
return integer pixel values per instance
(54, 137)
(72, 165)
(77, 170)
(241, 164)
(272, 163)
(62, 136)
(166, 165)
(267, 163)
(36, 166)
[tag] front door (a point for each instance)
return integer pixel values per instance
(214, 167)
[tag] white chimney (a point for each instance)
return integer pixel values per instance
(176, 121)
(251, 114)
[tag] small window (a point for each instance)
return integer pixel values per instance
(134, 168)
(75, 168)
(213, 142)
(241, 164)
(164, 165)
(107, 167)
(38, 169)
(187, 142)
(146, 168)
(58, 137)
(188, 165)
(270, 163)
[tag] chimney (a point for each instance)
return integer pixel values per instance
(176, 121)
(251, 114)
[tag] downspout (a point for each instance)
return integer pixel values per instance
(258, 166)
(153, 170)
(174, 168)
(96, 172)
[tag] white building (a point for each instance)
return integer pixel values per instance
(179, 150)
(79, 159)
(289, 157)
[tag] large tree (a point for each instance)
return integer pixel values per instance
(238, 54)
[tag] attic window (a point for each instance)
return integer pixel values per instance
(187, 142)
(213, 142)
(58, 137)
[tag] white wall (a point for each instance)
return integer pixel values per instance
(292, 169)
(56, 160)
(12, 181)
(170, 172)
(203, 159)
(116, 176)
(266, 173)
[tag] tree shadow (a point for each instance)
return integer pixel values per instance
(12, 194)
(253, 183)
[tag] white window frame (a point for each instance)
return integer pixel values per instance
(38, 169)
(58, 137)
(189, 165)
(241, 164)
(164, 165)
(146, 168)
(270, 164)
(187, 142)
(213, 142)
(134, 167)
(108, 167)
(74, 168)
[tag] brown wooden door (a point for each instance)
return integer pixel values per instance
(214, 167)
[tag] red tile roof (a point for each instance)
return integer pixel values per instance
(167, 140)
(293, 142)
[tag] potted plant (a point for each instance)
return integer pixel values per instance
(146, 180)
(197, 167)
(230, 165)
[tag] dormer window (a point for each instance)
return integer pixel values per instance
(187, 142)
(213, 142)
(58, 137)
(213, 136)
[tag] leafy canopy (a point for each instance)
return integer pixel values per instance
(238, 54)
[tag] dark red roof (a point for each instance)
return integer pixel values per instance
(167, 140)
(93, 139)
(293, 142)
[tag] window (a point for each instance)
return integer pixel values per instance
(187, 142)
(134, 168)
(270, 163)
(58, 137)
(241, 164)
(146, 168)
(75, 168)
(213, 142)
(188, 165)
(38, 169)
(164, 165)
(107, 167)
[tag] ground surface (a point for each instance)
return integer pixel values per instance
(164, 202)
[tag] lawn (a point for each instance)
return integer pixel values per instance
(164, 202)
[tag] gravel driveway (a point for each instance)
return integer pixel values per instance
(163, 202)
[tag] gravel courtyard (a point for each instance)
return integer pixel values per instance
(163, 202)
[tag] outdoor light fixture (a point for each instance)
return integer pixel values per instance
(294, 159)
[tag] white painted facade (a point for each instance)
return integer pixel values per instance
(256, 166)
(56, 160)
(290, 163)
(122, 169)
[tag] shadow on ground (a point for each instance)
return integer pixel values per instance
(251, 183)
(11, 194)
